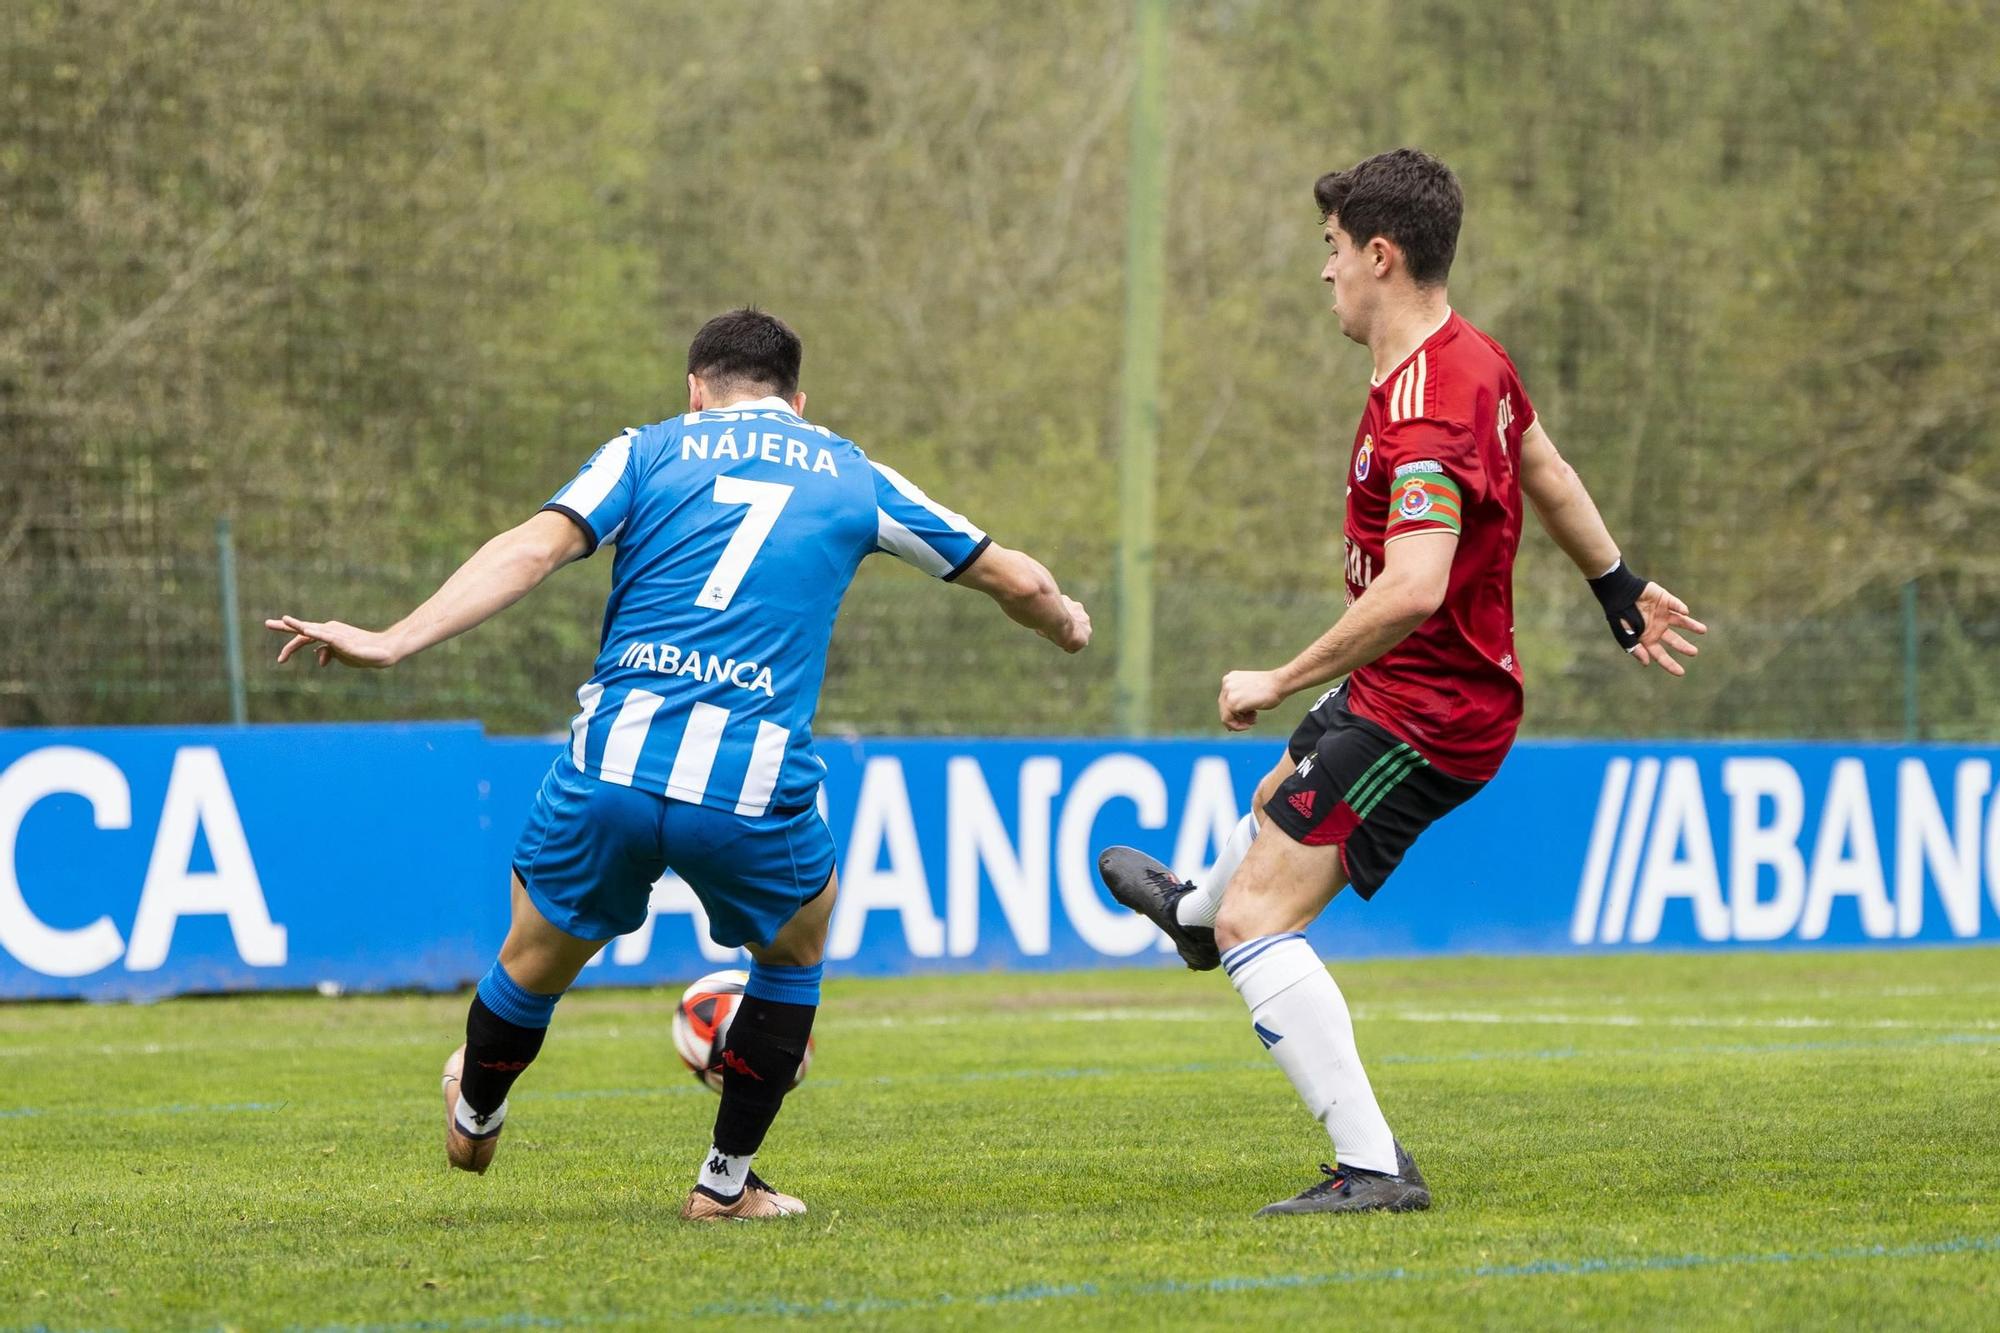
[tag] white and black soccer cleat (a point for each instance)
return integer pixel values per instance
(1147, 887)
(1350, 1189)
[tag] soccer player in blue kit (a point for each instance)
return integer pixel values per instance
(737, 529)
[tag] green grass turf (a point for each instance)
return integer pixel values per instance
(1718, 1141)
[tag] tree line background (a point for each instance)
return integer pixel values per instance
(371, 280)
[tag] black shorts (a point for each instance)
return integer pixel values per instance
(1362, 790)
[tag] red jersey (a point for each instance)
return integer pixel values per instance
(1438, 450)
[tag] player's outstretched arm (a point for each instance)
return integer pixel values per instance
(1645, 618)
(499, 574)
(1027, 592)
(1416, 574)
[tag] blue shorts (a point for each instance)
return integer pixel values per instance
(592, 849)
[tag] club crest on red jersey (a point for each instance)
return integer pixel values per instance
(1363, 456)
(1416, 499)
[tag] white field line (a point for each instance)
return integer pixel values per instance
(975, 1018)
(567, 1035)
(1709, 997)
(1108, 1014)
(1184, 1014)
(1143, 1014)
(1210, 1014)
(1618, 1020)
(690, 1088)
(440, 1037)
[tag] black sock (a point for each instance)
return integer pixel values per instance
(767, 1039)
(496, 1052)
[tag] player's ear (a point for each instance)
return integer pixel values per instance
(799, 404)
(1381, 256)
(694, 393)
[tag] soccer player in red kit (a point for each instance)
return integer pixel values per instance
(1448, 446)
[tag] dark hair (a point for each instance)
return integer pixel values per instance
(1408, 197)
(747, 346)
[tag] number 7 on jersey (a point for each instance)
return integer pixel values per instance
(766, 500)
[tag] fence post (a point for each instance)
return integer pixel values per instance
(232, 619)
(1912, 723)
(1139, 398)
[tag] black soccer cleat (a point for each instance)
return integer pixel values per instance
(1350, 1189)
(1150, 889)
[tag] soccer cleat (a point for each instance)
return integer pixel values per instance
(465, 1151)
(1350, 1189)
(1153, 891)
(756, 1200)
(790, 1203)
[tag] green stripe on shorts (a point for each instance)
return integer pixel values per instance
(1390, 782)
(1373, 775)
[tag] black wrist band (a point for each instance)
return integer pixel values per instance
(1617, 589)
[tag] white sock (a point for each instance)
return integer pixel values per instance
(723, 1174)
(1199, 908)
(1301, 1017)
(475, 1124)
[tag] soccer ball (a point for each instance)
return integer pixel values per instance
(701, 1025)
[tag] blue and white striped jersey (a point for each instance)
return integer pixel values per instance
(737, 533)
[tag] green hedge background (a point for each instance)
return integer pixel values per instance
(371, 279)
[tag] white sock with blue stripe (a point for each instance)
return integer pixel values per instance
(1199, 908)
(1301, 1017)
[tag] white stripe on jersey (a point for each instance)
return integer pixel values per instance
(588, 491)
(628, 737)
(893, 537)
(579, 730)
(767, 756)
(1406, 398)
(692, 762)
(951, 518)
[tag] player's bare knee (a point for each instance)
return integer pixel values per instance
(1269, 786)
(1246, 923)
(1227, 932)
(782, 952)
(1241, 918)
(801, 941)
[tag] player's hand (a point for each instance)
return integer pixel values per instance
(332, 641)
(1661, 617)
(1246, 694)
(1074, 635)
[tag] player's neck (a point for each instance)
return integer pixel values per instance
(738, 399)
(1405, 327)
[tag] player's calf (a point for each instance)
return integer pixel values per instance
(504, 1029)
(767, 1040)
(1252, 911)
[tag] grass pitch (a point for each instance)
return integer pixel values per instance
(1719, 1141)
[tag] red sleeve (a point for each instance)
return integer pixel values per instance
(1517, 411)
(1434, 473)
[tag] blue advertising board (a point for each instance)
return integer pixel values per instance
(143, 862)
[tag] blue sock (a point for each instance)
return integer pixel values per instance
(786, 985)
(514, 1002)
